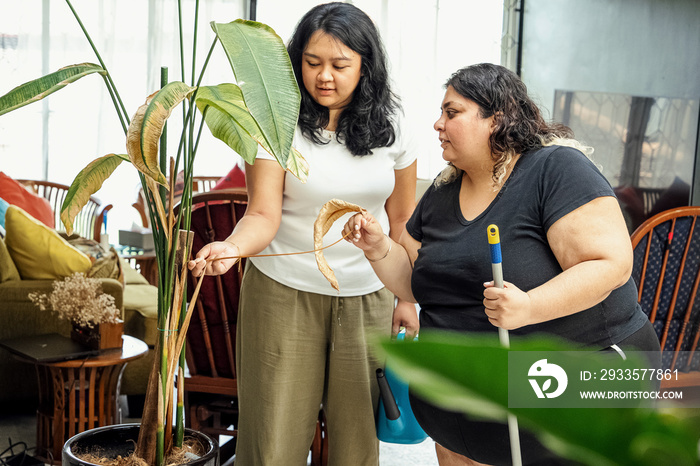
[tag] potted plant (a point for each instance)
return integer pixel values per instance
(79, 299)
(261, 111)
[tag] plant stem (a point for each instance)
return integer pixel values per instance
(163, 148)
(206, 61)
(124, 122)
(183, 78)
(186, 203)
(196, 145)
(114, 94)
(182, 46)
(194, 38)
(183, 136)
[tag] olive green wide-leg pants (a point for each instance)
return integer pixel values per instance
(298, 351)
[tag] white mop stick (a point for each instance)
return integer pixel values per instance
(497, 271)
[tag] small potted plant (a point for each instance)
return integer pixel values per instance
(79, 299)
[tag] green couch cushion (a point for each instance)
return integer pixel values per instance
(8, 270)
(141, 312)
(131, 275)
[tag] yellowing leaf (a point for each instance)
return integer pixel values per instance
(330, 212)
(87, 183)
(147, 125)
(37, 89)
(133, 142)
(297, 165)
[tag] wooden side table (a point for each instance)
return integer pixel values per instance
(80, 394)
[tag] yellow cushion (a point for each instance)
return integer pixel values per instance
(38, 251)
(8, 270)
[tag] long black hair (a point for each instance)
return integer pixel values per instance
(366, 122)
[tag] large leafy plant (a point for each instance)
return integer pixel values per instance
(470, 373)
(261, 110)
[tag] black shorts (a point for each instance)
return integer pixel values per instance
(483, 441)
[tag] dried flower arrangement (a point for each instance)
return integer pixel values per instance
(79, 299)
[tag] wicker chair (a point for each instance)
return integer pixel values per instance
(200, 184)
(667, 273)
(88, 223)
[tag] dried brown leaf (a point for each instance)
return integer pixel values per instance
(330, 212)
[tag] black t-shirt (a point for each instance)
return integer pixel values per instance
(454, 259)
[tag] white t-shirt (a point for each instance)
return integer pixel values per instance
(334, 173)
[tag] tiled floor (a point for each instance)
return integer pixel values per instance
(22, 428)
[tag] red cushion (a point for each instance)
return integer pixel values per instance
(234, 179)
(36, 206)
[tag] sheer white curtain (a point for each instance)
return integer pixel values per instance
(20, 56)
(135, 38)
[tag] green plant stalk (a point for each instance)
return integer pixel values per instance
(164, 136)
(196, 144)
(188, 117)
(180, 427)
(206, 62)
(184, 213)
(182, 45)
(163, 307)
(189, 112)
(179, 432)
(160, 435)
(183, 77)
(179, 415)
(194, 39)
(111, 86)
(123, 120)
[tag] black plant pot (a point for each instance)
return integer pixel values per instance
(120, 440)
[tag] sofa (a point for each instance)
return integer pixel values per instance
(19, 317)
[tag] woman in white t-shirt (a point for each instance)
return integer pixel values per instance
(301, 344)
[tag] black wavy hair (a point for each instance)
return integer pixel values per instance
(366, 122)
(518, 123)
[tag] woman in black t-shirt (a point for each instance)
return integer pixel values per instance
(567, 253)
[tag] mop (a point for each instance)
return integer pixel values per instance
(497, 271)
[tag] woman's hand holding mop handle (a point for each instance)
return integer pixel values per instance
(497, 271)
